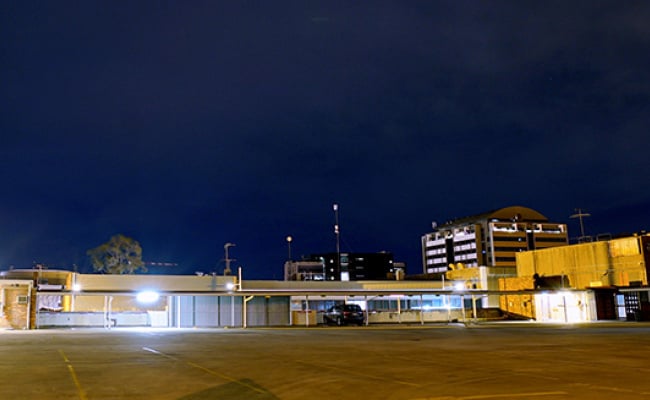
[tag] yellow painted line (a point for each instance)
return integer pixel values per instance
(503, 395)
(496, 396)
(80, 390)
(609, 388)
(361, 374)
(207, 370)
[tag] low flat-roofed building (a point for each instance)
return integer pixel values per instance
(182, 301)
(613, 272)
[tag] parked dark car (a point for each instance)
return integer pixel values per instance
(343, 314)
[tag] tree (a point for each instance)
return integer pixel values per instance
(120, 255)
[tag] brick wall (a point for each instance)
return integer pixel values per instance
(15, 310)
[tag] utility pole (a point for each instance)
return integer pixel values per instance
(580, 214)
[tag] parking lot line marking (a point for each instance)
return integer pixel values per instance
(82, 393)
(609, 388)
(495, 396)
(207, 370)
(358, 373)
(519, 395)
(149, 349)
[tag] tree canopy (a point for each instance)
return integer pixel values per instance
(120, 255)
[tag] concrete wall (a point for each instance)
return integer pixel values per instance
(268, 311)
(119, 303)
(205, 311)
(161, 283)
(93, 319)
(609, 263)
(519, 305)
(414, 317)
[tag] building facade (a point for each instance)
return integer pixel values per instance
(304, 270)
(349, 267)
(491, 239)
(358, 266)
(615, 270)
(208, 301)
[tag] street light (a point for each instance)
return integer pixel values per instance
(148, 296)
(289, 240)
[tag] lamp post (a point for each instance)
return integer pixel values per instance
(289, 240)
(227, 259)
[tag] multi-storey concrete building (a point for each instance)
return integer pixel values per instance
(491, 239)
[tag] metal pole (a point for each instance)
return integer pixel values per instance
(110, 311)
(580, 215)
(462, 300)
(448, 305)
(227, 270)
(30, 293)
(399, 309)
(421, 310)
(365, 298)
(246, 299)
(289, 239)
(38, 285)
(178, 311)
(337, 232)
(74, 289)
(105, 311)
(232, 311)
(474, 314)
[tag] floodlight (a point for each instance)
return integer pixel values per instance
(147, 296)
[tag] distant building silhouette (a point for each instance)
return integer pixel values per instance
(352, 267)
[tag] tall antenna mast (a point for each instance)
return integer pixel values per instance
(337, 232)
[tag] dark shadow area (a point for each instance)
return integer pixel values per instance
(244, 389)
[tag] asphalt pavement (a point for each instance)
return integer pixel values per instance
(441, 362)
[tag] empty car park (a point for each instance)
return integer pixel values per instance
(445, 361)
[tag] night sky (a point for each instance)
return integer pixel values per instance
(189, 124)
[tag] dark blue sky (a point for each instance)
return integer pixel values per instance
(186, 125)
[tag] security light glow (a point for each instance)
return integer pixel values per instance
(147, 296)
(230, 286)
